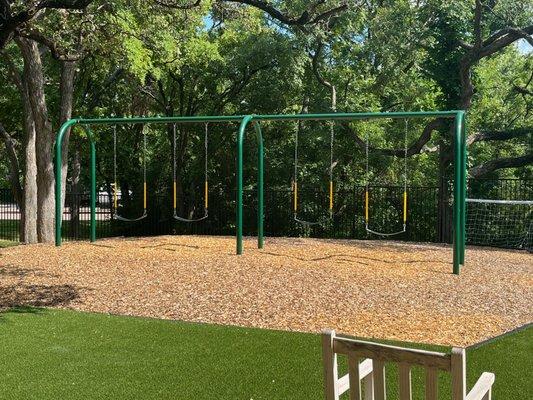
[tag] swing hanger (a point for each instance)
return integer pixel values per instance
(115, 184)
(174, 173)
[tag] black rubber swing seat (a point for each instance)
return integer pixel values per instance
(123, 219)
(181, 219)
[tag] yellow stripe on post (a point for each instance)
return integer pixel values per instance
(115, 196)
(366, 205)
(295, 196)
(144, 195)
(404, 207)
(206, 195)
(175, 196)
(330, 195)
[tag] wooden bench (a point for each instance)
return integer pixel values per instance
(366, 370)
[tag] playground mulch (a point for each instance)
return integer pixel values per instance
(378, 289)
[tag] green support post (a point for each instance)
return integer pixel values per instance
(464, 170)
(240, 156)
(58, 165)
(260, 186)
(457, 193)
(93, 191)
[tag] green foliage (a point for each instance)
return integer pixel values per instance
(139, 58)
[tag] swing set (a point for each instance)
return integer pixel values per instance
(144, 214)
(459, 190)
(367, 185)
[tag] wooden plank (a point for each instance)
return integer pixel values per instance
(343, 384)
(405, 382)
(380, 391)
(482, 390)
(368, 384)
(329, 360)
(365, 369)
(432, 383)
(458, 373)
(355, 381)
(386, 353)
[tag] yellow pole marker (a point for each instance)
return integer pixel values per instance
(206, 194)
(115, 196)
(404, 207)
(366, 205)
(144, 196)
(175, 196)
(295, 196)
(330, 195)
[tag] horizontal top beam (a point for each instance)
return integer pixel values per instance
(267, 117)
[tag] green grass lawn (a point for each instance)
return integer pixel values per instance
(52, 354)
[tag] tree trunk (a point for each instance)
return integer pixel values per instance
(44, 139)
(29, 212)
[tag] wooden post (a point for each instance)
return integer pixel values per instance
(432, 383)
(458, 372)
(329, 359)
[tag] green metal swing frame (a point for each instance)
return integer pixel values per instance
(459, 147)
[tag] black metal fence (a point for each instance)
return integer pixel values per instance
(429, 213)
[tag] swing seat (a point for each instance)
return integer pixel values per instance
(308, 223)
(123, 219)
(181, 219)
(386, 234)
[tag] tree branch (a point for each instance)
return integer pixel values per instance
(315, 59)
(9, 22)
(308, 17)
(416, 148)
(178, 6)
(489, 136)
(58, 53)
(500, 163)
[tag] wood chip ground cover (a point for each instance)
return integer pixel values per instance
(386, 290)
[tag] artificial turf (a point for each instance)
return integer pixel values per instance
(55, 354)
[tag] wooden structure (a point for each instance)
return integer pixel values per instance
(365, 379)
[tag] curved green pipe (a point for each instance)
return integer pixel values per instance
(240, 156)
(58, 164)
(260, 185)
(458, 193)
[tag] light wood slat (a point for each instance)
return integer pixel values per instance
(432, 383)
(380, 390)
(368, 384)
(377, 351)
(405, 382)
(365, 369)
(329, 359)
(355, 381)
(482, 390)
(343, 384)
(458, 373)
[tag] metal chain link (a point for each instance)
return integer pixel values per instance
(115, 154)
(206, 148)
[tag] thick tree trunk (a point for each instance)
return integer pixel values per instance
(29, 213)
(44, 138)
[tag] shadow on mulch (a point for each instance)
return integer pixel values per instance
(27, 297)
